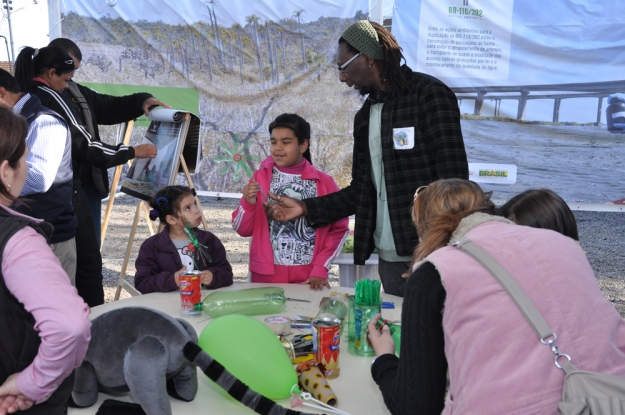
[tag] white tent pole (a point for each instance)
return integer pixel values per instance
(54, 19)
(376, 11)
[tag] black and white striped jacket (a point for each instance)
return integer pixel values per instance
(86, 149)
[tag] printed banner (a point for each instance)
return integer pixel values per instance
(248, 61)
(451, 42)
(539, 84)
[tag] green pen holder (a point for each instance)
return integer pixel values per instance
(359, 316)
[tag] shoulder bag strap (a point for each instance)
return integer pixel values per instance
(522, 301)
(513, 289)
(82, 102)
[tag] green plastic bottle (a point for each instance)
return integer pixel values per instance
(249, 302)
(395, 330)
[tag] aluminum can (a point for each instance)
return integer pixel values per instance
(326, 340)
(190, 293)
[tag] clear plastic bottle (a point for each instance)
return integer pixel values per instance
(249, 302)
(335, 307)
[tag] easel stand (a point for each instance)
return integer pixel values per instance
(126, 130)
(143, 207)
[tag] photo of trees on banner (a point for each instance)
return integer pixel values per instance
(250, 62)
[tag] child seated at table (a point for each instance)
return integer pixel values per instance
(163, 256)
(292, 251)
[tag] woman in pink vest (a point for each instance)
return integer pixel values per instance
(457, 318)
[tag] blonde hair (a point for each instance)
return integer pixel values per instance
(439, 208)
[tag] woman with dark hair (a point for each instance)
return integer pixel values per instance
(51, 66)
(45, 73)
(44, 323)
(456, 316)
(292, 251)
(541, 208)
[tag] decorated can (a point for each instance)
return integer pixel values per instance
(190, 295)
(326, 339)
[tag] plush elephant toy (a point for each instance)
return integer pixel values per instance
(140, 350)
(143, 351)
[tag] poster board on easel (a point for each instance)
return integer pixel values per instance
(124, 132)
(170, 131)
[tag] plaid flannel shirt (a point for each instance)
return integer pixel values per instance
(432, 109)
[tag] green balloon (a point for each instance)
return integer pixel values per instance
(252, 353)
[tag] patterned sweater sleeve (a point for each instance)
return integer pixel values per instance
(415, 382)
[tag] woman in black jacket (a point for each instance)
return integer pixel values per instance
(46, 73)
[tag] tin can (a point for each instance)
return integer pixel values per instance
(190, 295)
(326, 339)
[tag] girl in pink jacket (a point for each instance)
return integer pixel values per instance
(293, 251)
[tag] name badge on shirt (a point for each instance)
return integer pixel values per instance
(403, 138)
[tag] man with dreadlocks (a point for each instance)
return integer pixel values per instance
(406, 135)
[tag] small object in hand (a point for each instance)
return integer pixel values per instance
(261, 191)
(206, 258)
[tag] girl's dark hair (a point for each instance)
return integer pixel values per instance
(541, 208)
(392, 75)
(13, 131)
(299, 126)
(167, 202)
(33, 62)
